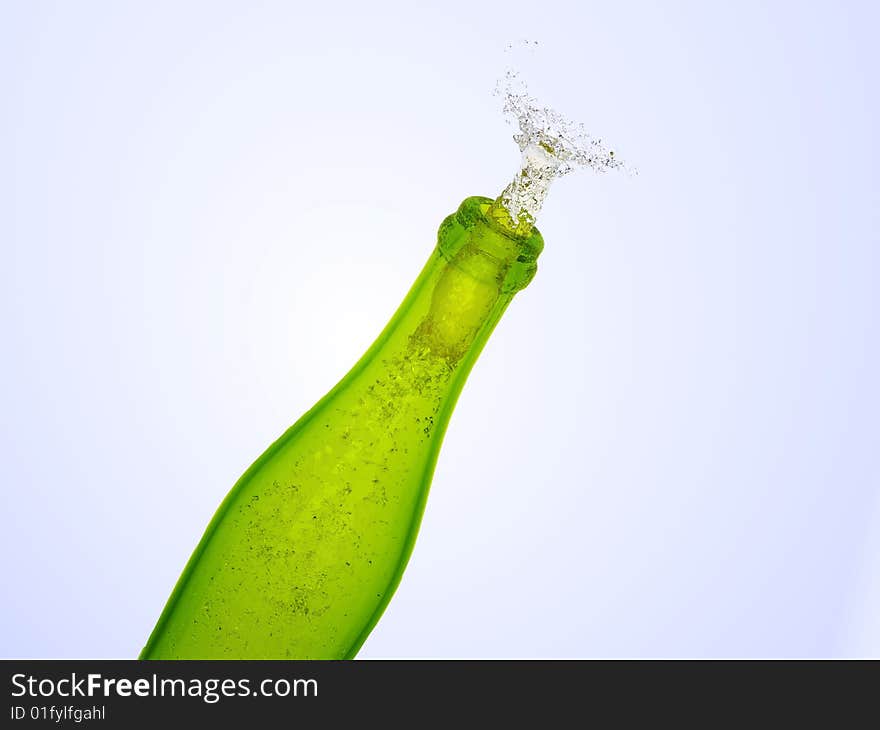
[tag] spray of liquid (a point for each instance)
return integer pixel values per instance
(551, 146)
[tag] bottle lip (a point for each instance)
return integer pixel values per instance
(473, 230)
(477, 210)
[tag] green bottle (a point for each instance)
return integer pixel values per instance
(305, 552)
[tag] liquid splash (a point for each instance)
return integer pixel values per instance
(551, 146)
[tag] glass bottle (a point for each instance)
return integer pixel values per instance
(306, 550)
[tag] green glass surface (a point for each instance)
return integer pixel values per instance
(304, 554)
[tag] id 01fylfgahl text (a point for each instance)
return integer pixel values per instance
(58, 714)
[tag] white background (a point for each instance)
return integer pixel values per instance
(669, 446)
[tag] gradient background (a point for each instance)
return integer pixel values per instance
(668, 448)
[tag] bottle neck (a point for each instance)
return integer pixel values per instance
(482, 261)
(412, 375)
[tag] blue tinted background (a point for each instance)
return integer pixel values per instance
(670, 445)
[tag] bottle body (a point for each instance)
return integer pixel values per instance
(306, 550)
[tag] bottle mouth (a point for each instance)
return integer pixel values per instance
(521, 238)
(498, 215)
(481, 236)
